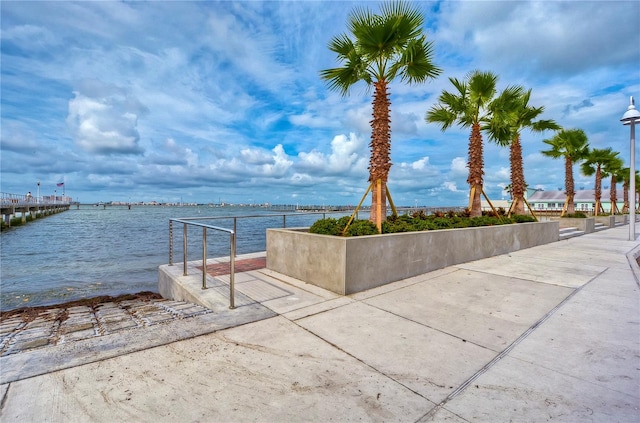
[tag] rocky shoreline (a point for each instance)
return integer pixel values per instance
(30, 313)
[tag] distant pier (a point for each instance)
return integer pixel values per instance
(27, 207)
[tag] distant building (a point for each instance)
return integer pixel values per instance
(584, 200)
(505, 204)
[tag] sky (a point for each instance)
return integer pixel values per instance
(207, 102)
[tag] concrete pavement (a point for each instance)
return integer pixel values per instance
(547, 333)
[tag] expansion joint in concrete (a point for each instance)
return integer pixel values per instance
(364, 363)
(505, 352)
(4, 398)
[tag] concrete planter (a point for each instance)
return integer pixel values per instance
(354, 264)
(609, 221)
(584, 224)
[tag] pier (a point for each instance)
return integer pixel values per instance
(28, 207)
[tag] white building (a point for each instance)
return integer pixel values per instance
(584, 200)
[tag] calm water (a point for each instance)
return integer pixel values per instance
(94, 251)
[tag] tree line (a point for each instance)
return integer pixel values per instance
(382, 47)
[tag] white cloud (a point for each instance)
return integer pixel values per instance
(281, 163)
(30, 37)
(347, 156)
(551, 37)
(359, 119)
(104, 119)
(309, 121)
(247, 48)
(256, 156)
(502, 173)
(403, 123)
(231, 97)
(420, 164)
(459, 166)
(450, 186)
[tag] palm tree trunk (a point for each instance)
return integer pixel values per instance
(476, 169)
(625, 190)
(380, 161)
(517, 174)
(613, 195)
(569, 185)
(598, 193)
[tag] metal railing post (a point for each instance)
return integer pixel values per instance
(170, 242)
(235, 231)
(184, 241)
(204, 257)
(232, 259)
(233, 240)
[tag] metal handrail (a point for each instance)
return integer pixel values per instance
(232, 237)
(19, 200)
(232, 252)
(232, 241)
(257, 216)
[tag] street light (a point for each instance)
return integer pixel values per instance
(38, 194)
(629, 118)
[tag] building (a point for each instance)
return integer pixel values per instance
(584, 200)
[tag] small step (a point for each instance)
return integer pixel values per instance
(600, 226)
(566, 233)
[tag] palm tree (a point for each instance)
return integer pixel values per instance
(467, 107)
(509, 190)
(572, 144)
(381, 48)
(635, 194)
(624, 175)
(510, 114)
(595, 162)
(613, 167)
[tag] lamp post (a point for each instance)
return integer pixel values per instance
(629, 118)
(38, 194)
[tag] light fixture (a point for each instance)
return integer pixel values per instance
(629, 118)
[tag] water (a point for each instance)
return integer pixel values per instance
(92, 251)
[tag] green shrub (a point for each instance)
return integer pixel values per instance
(420, 214)
(482, 221)
(417, 221)
(522, 218)
(442, 222)
(361, 227)
(331, 226)
(342, 222)
(576, 214)
(328, 226)
(391, 227)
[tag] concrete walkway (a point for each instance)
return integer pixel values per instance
(548, 333)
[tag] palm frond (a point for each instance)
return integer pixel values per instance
(502, 121)
(482, 89)
(342, 45)
(415, 63)
(545, 125)
(341, 79)
(405, 20)
(572, 143)
(441, 115)
(554, 151)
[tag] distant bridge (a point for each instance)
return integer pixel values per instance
(12, 204)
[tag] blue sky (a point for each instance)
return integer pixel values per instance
(222, 101)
